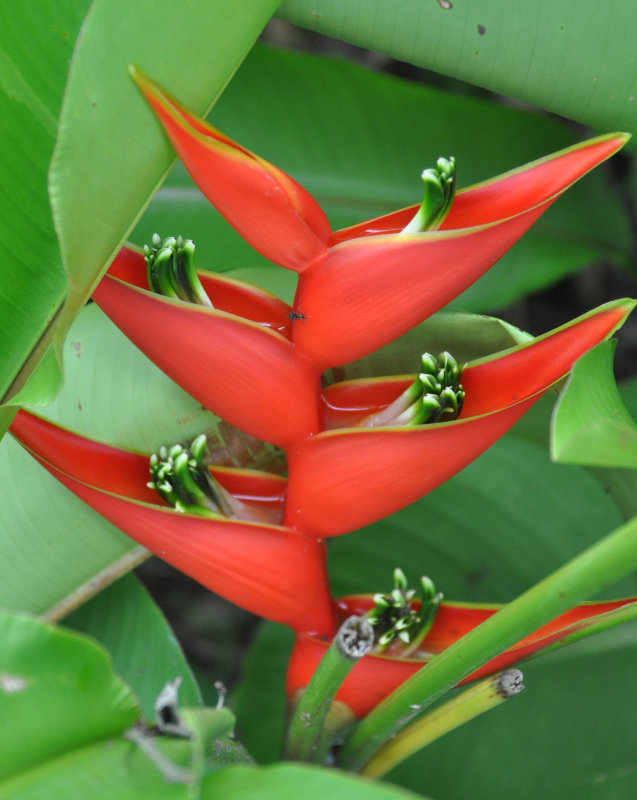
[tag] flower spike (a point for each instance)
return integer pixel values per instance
(269, 209)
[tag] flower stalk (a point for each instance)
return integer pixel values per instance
(307, 739)
(467, 705)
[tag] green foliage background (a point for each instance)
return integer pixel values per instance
(357, 139)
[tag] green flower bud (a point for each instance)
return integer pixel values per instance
(440, 187)
(396, 619)
(179, 475)
(171, 270)
(436, 395)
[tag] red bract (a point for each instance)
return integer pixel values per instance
(270, 210)
(236, 359)
(362, 287)
(376, 676)
(265, 568)
(346, 478)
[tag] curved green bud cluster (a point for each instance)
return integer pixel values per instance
(440, 188)
(171, 270)
(179, 475)
(435, 396)
(395, 618)
(443, 394)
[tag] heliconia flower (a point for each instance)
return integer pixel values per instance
(235, 358)
(362, 287)
(347, 477)
(378, 674)
(263, 567)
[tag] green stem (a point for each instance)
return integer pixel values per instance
(355, 638)
(467, 705)
(584, 576)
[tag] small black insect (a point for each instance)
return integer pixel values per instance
(294, 315)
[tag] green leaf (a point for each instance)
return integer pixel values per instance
(44, 381)
(621, 484)
(575, 65)
(261, 692)
(283, 781)
(591, 424)
(115, 769)
(628, 390)
(7, 413)
(111, 153)
(34, 55)
(54, 551)
(57, 693)
(103, 169)
(145, 653)
(212, 739)
(358, 141)
(67, 721)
